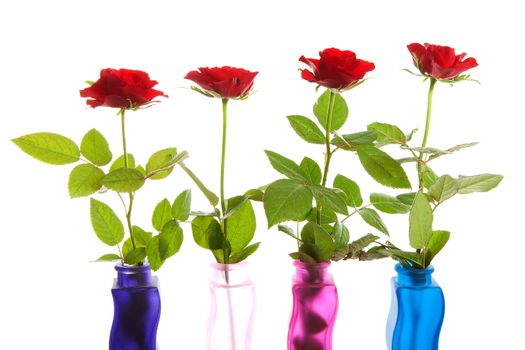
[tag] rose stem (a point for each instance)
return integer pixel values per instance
(130, 207)
(328, 155)
(427, 128)
(224, 223)
(420, 169)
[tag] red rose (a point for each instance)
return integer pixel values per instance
(336, 69)
(224, 82)
(440, 62)
(122, 88)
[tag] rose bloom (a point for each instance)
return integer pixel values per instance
(336, 69)
(440, 62)
(122, 88)
(224, 82)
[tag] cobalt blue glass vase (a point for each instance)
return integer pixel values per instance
(137, 309)
(417, 311)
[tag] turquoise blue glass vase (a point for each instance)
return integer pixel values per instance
(417, 311)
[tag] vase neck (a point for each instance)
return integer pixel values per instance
(133, 276)
(414, 277)
(230, 274)
(312, 273)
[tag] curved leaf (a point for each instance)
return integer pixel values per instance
(286, 200)
(306, 129)
(49, 148)
(84, 180)
(382, 168)
(107, 225)
(95, 148)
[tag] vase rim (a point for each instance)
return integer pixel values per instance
(401, 269)
(125, 267)
(312, 266)
(229, 267)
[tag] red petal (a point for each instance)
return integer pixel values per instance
(311, 62)
(307, 75)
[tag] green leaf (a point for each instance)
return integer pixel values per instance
(382, 168)
(233, 204)
(207, 232)
(240, 227)
(164, 245)
(350, 142)
(135, 256)
(243, 254)
(407, 259)
(478, 183)
(159, 160)
(286, 166)
(311, 170)
(288, 230)
(330, 198)
(141, 169)
(462, 146)
(182, 206)
(359, 244)
(351, 189)
(254, 194)
(84, 180)
(161, 214)
(49, 148)
(420, 230)
(444, 188)
(327, 216)
(317, 242)
(410, 135)
(95, 148)
(438, 240)
(340, 112)
(153, 253)
(388, 133)
(372, 218)
(170, 239)
(106, 224)
(210, 196)
(407, 198)
(453, 149)
(303, 257)
(430, 177)
(141, 238)
(388, 204)
(341, 236)
(123, 180)
(119, 163)
(286, 200)
(306, 129)
(108, 257)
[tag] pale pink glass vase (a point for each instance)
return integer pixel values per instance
(315, 305)
(232, 307)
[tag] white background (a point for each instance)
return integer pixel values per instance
(54, 298)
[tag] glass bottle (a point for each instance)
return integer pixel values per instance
(232, 307)
(137, 309)
(417, 311)
(315, 304)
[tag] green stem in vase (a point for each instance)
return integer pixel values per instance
(223, 159)
(421, 171)
(126, 165)
(328, 154)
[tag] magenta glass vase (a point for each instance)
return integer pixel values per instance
(315, 303)
(232, 307)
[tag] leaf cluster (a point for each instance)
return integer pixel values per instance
(96, 173)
